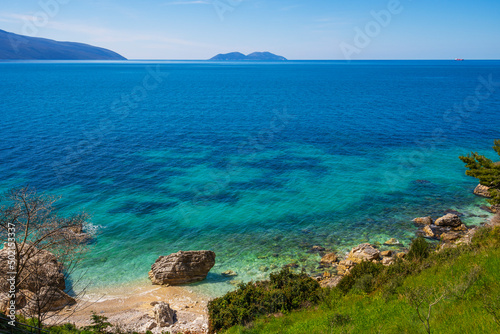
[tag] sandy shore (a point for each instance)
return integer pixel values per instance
(129, 307)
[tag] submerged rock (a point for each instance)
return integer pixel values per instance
(329, 259)
(453, 212)
(482, 191)
(486, 208)
(450, 219)
(392, 242)
(423, 220)
(182, 267)
(317, 249)
(229, 273)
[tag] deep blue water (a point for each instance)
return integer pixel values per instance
(256, 161)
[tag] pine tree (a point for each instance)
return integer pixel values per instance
(486, 171)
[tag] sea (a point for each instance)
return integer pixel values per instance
(256, 161)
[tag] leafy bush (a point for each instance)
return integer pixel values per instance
(339, 320)
(362, 277)
(419, 250)
(100, 324)
(285, 291)
(487, 171)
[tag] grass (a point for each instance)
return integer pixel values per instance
(466, 277)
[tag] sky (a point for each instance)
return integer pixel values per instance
(295, 29)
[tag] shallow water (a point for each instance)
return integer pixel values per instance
(255, 161)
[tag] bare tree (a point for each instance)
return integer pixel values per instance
(423, 300)
(41, 250)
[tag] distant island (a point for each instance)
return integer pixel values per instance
(19, 47)
(253, 56)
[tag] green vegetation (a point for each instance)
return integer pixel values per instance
(285, 291)
(487, 171)
(100, 324)
(455, 290)
(361, 278)
(419, 250)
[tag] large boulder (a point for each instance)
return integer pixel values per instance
(345, 266)
(363, 252)
(41, 268)
(482, 191)
(182, 267)
(450, 220)
(330, 282)
(430, 231)
(450, 236)
(50, 298)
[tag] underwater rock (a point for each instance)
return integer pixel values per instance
(486, 208)
(392, 242)
(453, 212)
(329, 259)
(423, 220)
(229, 273)
(317, 249)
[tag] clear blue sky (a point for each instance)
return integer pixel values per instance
(296, 29)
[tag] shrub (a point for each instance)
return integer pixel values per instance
(100, 324)
(338, 320)
(419, 250)
(285, 291)
(362, 276)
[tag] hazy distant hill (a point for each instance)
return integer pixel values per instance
(253, 56)
(19, 47)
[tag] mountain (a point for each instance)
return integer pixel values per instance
(230, 56)
(253, 56)
(264, 56)
(19, 47)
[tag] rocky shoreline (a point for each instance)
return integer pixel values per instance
(165, 307)
(448, 229)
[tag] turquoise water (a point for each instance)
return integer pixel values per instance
(255, 161)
